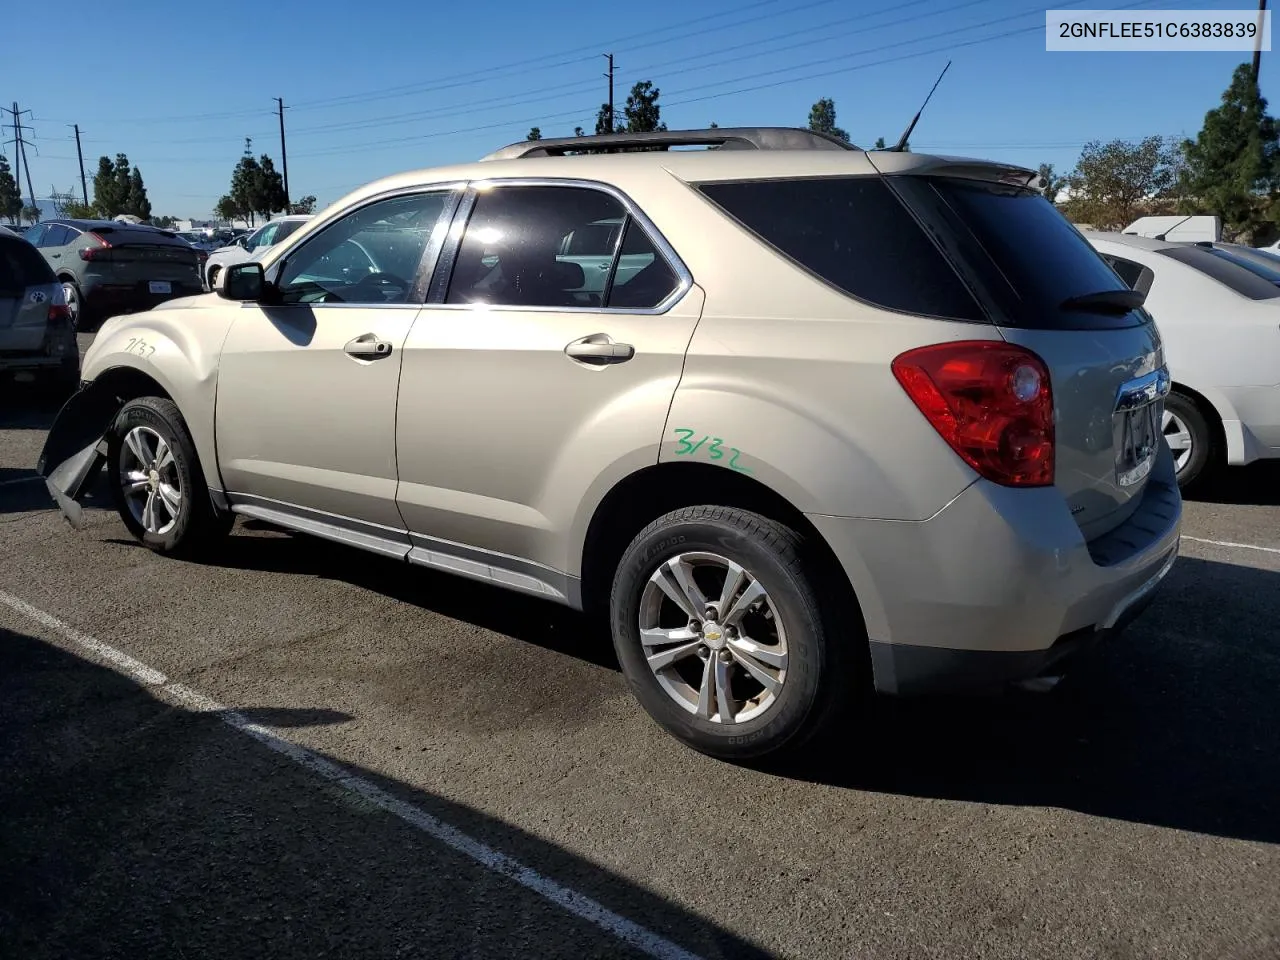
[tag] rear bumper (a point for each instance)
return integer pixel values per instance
(1000, 585)
(36, 348)
(134, 297)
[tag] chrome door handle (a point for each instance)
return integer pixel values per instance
(599, 349)
(368, 347)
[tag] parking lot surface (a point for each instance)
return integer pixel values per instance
(476, 780)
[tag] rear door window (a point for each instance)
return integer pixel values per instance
(854, 234)
(21, 266)
(1026, 257)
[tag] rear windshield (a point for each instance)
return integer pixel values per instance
(1267, 271)
(21, 266)
(854, 234)
(1227, 270)
(1024, 255)
(118, 236)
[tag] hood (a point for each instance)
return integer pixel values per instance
(194, 302)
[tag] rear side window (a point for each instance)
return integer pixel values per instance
(854, 234)
(1225, 270)
(21, 266)
(287, 227)
(1025, 255)
(559, 247)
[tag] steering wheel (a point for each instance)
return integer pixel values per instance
(378, 287)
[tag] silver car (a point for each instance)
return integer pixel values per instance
(798, 420)
(37, 339)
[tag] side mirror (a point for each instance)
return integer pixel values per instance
(242, 281)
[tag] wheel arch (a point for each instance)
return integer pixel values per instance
(1226, 446)
(648, 493)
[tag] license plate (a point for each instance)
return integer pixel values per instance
(1139, 436)
(159, 286)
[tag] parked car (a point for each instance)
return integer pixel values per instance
(252, 246)
(109, 266)
(1218, 309)
(37, 340)
(790, 454)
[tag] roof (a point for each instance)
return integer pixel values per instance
(689, 165)
(1131, 240)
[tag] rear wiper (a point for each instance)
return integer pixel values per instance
(1106, 301)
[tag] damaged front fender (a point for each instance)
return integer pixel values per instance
(75, 448)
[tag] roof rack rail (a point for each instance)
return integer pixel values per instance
(725, 138)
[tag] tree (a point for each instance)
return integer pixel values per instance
(1053, 183)
(31, 214)
(880, 144)
(136, 201)
(306, 205)
(642, 112)
(535, 133)
(714, 126)
(1113, 181)
(1233, 166)
(164, 223)
(579, 132)
(226, 208)
(822, 119)
(268, 196)
(109, 196)
(10, 195)
(245, 180)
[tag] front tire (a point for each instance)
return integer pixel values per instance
(75, 304)
(717, 625)
(156, 480)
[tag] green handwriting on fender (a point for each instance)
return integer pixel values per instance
(140, 347)
(711, 447)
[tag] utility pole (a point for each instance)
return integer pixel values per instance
(284, 157)
(1257, 43)
(19, 146)
(84, 185)
(609, 57)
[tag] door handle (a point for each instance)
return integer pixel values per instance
(599, 349)
(368, 347)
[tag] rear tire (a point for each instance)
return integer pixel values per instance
(213, 276)
(156, 480)
(1191, 439)
(75, 304)
(753, 679)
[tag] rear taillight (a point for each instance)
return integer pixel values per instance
(991, 401)
(92, 253)
(59, 313)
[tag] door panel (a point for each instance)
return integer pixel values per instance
(302, 421)
(307, 389)
(500, 434)
(531, 382)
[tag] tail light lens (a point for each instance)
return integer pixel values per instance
(991, 401)
(59, 313)
(91, 253)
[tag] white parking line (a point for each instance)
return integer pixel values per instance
(9, 483)
(1229, 543)
(571, 900)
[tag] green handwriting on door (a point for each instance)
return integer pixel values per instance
(711, 448)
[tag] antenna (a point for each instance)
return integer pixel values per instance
(906, 134)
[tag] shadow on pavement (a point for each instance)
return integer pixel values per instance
(1174, 723)
(1258, 484)
(133, 828)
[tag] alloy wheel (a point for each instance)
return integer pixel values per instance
(712, 638)
(72, 296)
(150, 480)
(1178, 436)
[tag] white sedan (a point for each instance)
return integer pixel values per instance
(252, 246)
(1218, 311)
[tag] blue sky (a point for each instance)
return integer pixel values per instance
(387, 85)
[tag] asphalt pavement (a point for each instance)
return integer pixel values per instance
(298, 750)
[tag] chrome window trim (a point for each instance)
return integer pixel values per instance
(684, 278)
(272, 270)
